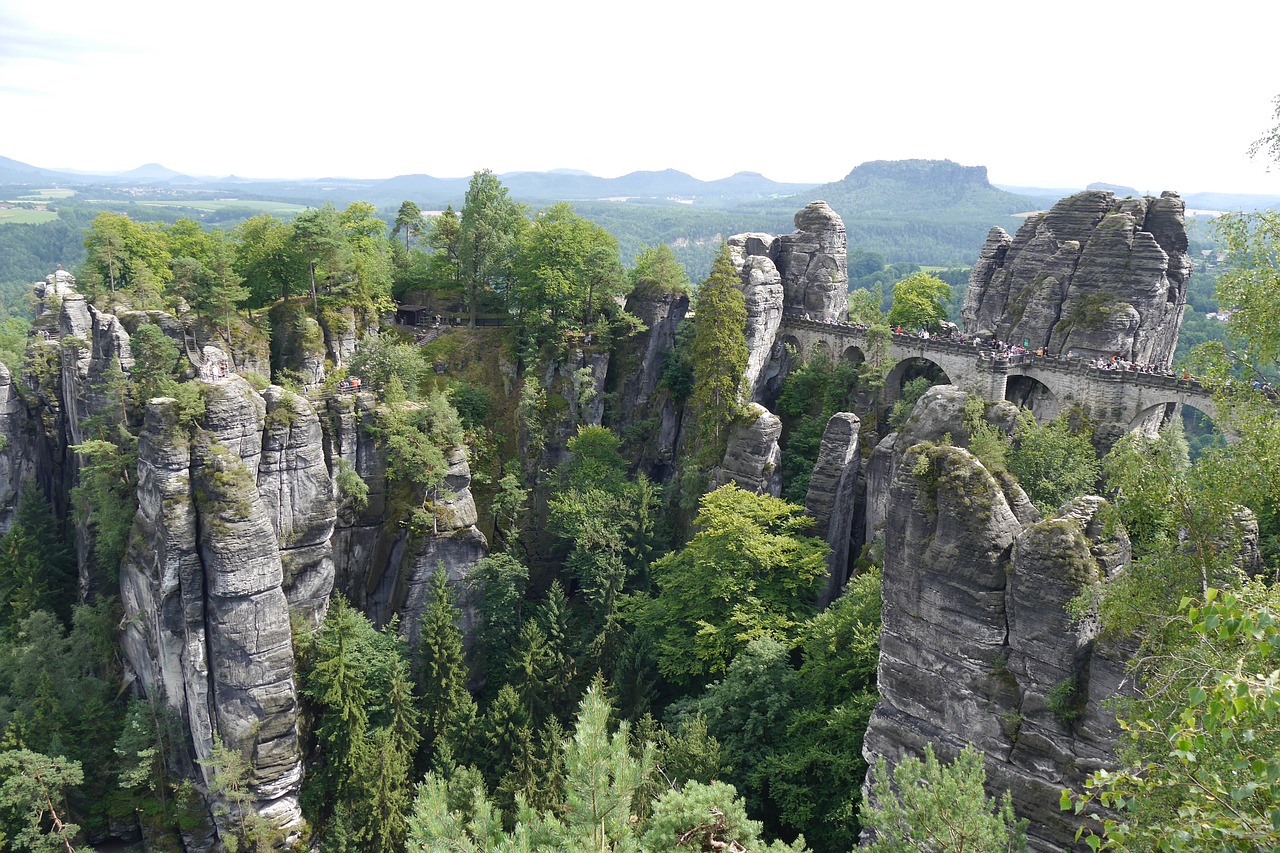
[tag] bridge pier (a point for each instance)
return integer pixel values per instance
(991, 378)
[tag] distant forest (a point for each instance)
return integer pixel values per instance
(901, 217)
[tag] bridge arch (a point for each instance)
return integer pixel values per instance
(1029, 392)
(820, 351)
(1156, 415)
(853, 355)
(912, 368)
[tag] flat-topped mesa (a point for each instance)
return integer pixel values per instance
(1095, 275)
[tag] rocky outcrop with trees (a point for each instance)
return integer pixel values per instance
(518, 568)
(1095, 275)
(978, 645)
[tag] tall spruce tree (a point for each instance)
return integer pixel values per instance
(719, 355)
(441, 671)
(37, 568)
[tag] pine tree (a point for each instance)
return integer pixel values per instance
(719, 355)
(555, 623)
(503, 730)
(37, 569)
(442, 674)
(336, 682)
(530, 670)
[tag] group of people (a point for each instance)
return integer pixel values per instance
(212, 370)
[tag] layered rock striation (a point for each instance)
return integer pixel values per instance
(752, 458)
(204, 588)
(831, 499)
(977, 646)
(805, 273)
(240, 530)
(649, 415)
(1095, 275)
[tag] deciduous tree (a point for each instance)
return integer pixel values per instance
(748, 572)
(488, 237)
(919, 302)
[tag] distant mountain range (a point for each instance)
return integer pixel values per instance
(928, 212)
(887, 186)
(556, 185)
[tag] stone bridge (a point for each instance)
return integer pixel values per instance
(1049, 385)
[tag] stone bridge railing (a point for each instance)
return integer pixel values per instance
(1112, 396)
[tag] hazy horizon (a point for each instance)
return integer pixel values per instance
(1108, 93)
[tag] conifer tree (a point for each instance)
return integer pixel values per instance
(336, 682)
(555, 623)
(530, 670)
(504, 729)
(719, 355)
(408, 222)
(37, 569)
(442, 673)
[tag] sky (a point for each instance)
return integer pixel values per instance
(1152, 96)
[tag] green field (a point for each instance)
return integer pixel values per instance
(21, 216)
(40, 195)
(211, 205)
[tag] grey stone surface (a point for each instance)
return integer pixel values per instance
(295, 486)
(830, 499)
(761, 287)
(814, 264)
(976, 634)
(752, 458)
(1095, 275)
(645, 409)
(208, 622)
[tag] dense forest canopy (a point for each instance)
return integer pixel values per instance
(646, 665)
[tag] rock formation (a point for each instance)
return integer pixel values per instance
(752, 458)
(832, 492)
(1095, 275)
(237, 530)
(761, 286)
(814, 264)
(977, 645)
(649, 415)
(203, 582)
(382, 567)
(298, 493)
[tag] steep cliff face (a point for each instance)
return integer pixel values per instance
(1095, 275)
(752, 458)
(762, 291)
(203, 584)
(298, 493)
(240, 530)
(831, 498)
(814, 264)
(977, 645)
(646, 411)
(380, 565)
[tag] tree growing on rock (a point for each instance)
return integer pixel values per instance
(718, 354)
